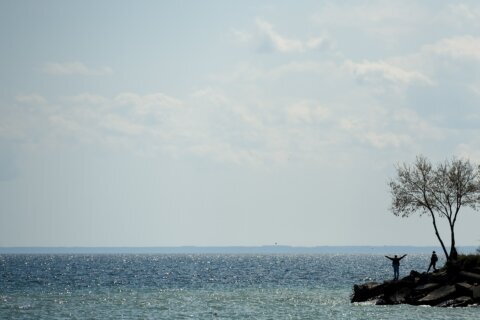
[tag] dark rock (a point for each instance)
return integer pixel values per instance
(399, 296)
(476, 293)
(418, 277)
(420, 292)
(438, 295)
(462, 301)
(452, 286)
(464, 288)
(396, 291)
(427, 287)
(476, 270)
(382, 302)
(439, 276)
(413, 277)
(457, 302)
(367, 291)
(415, 274)
(470, 276)
(445, 304)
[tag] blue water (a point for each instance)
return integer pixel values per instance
(202, 287)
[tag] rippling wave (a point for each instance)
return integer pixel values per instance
(201, 287)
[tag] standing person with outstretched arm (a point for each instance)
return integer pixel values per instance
(396, 265)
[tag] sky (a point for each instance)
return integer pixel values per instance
(230, 123)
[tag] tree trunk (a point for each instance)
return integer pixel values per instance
(453, 249)
(438, 235)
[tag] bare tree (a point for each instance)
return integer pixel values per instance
(436, 191)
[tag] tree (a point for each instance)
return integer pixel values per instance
(438, 191)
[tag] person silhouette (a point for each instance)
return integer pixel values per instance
(396, 265)
(433, 262)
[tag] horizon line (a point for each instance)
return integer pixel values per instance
(264, 249)
(237, 246)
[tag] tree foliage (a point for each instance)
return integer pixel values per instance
(438, 191)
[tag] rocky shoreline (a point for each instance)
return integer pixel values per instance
(448, 287)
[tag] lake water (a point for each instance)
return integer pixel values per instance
(202, 287)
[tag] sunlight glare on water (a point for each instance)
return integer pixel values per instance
(201, 287)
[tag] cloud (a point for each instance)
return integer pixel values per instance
(462, 47)
(128, 120)
(385, 19)
(223, 127)
(418, 126)
(122, 125)
(86, 99)
(241, 36)
(268, 113)
(382, 140)
(307, 112)
(461, 15)
(268, 39)
(226, 153)
(208, 124)
(248, 72)
(475, 88)
(274, 40)
(374, 134)
(150, 104)
(390, 127)
(74, 69)
(31, 99)
(379, 71)
(469, 149)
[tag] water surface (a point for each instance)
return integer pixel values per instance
(184, 286)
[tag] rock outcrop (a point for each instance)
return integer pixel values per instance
(445, 288)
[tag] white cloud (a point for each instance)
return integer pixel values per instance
(150, 104)
(385, 126)
(241, 36)
(475, 88)
(462, 47)
(302, 67)
(382, 71)
(74, 68)
(289, 108)
(226, 128)
(130, 121)
(318, 42)
(382, 140)
(461, 15)
(210, 125)
(375, 132)
(276, 41)
(469, 149)
(418, 126)
(307, 112)
(31, 99)
(211, 95)
(122, 125)
(87, 99)
(270, 39)
(225, 152)
(247, 72)
(378, 18)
